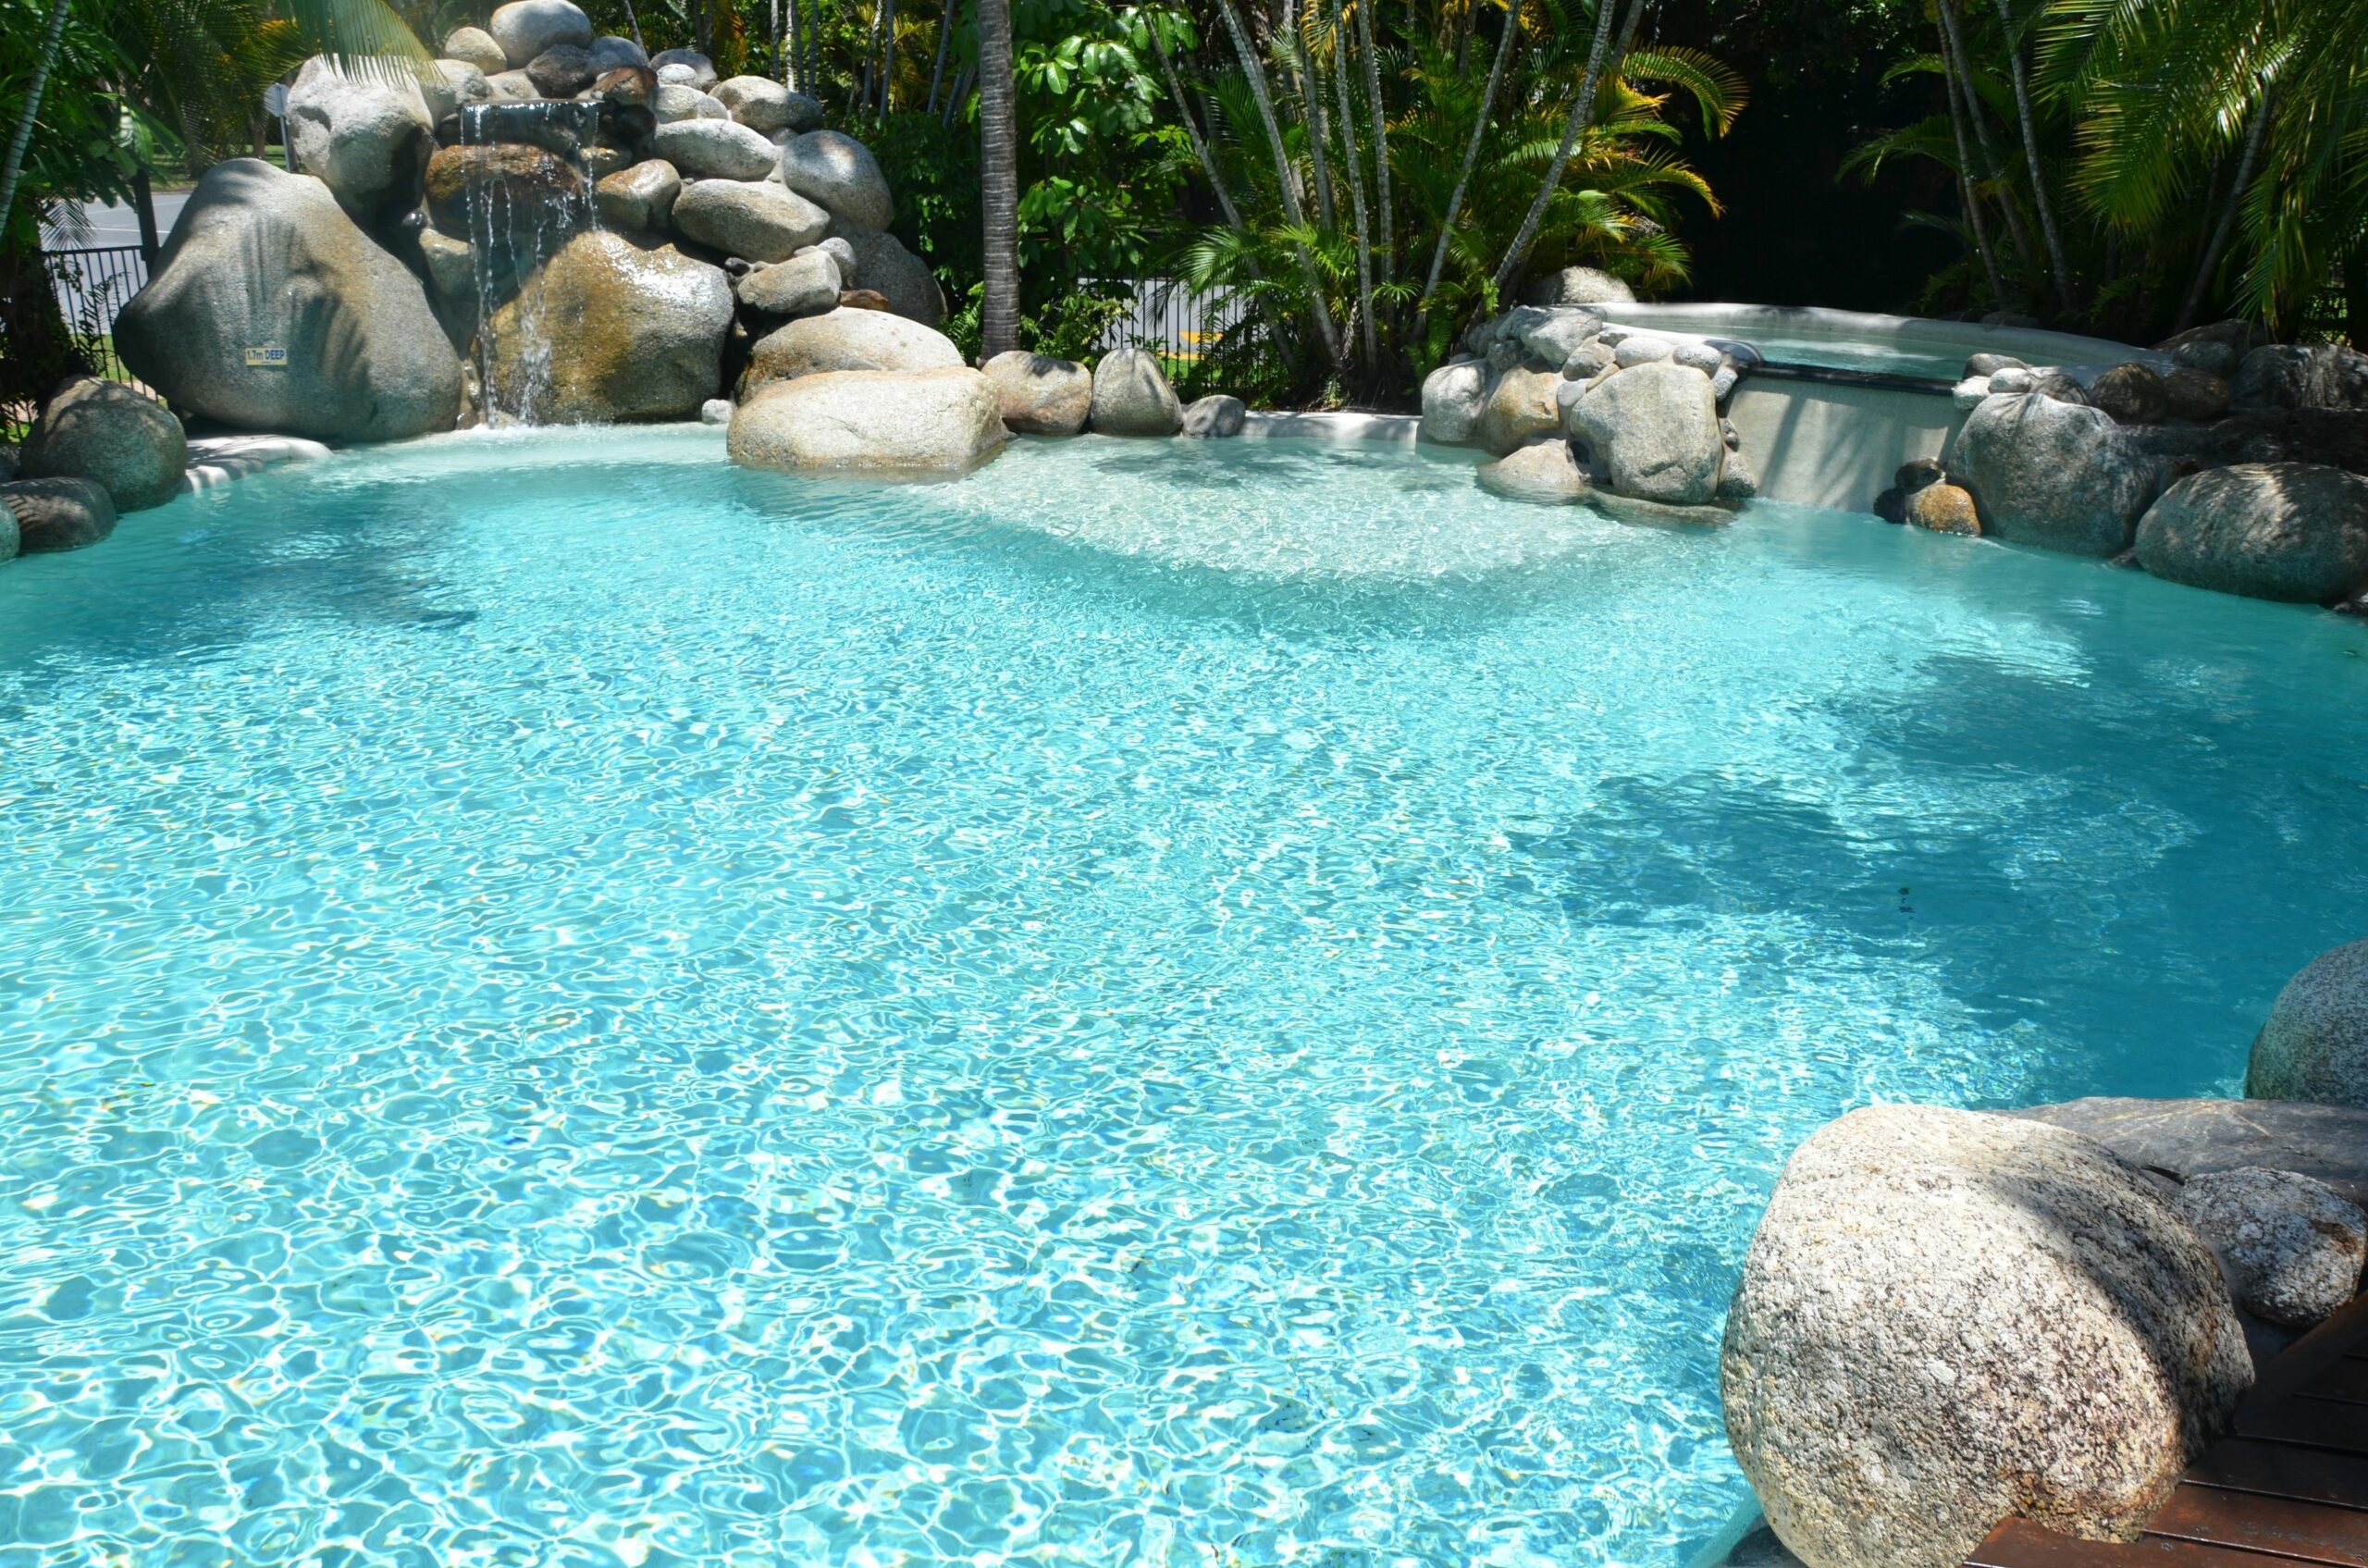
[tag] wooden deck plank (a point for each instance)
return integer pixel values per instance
(2287, 1489)
(2315, 1423)
(2019, 1544)
(2308, 1532)
(2282, 1470)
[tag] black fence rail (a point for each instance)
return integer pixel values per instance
(92, 283)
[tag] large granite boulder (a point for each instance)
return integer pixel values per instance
(849, 340)
(367, 141)
(672, 103)
(506, 194)
(926, 422)
(714, 149)
(610, 52)
(1578, 286)
(1551, 337)
(1132, 396)
(270, 309)
(2290, 1248)
(2054, 474)
(2194, 394)
(2293, 531)
(1451, 398)
(54, 514)
(561, 70)
(1653, 432)
(839, 173)
(1519, 409)
(523, 29)
(463, 84)
(2191, 1138)
(125, 440)
(691, 65)
(894, 273)
(1039, 395)
(752, 219)
(2217, 349)
(2326, 376)
(1545, 472)
(2132, 393)
(641, 198)
(618, 330)
(2315, 1044)
(1947, 1318)
(759, 102)
(806, 284)
(476, 47)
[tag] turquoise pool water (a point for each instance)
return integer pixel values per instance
(1228, 1004)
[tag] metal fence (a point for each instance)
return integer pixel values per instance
(1172, 318)
(92, 283)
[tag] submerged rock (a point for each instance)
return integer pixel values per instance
(2292, 531)
(1217, 416)
(114, 435)
(1653, 430)
(1944, 509)
(849, 340)
(54, 514)
(929, 422)
(2291, 1248)
(1544, 471)
(2315, 1044)
(367, 141)
(270, 309)
(2054, 474)
(1040, 395)
(1132, 396)
(754, 219)
(632, 331)
(1947, 1318)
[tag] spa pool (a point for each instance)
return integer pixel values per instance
(1200, 1005)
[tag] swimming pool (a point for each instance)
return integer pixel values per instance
(1167, 1002)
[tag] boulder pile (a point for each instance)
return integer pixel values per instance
(1625, 414)
(2222, 460)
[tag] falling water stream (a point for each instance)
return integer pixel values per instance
(516, 227)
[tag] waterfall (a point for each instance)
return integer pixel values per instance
(522, 208)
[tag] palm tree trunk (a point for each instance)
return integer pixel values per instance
(1356, 186)
(2209, 263)
(1993, 170)
(1192, 129)
(1464, 175)
(937, 73)
(887, 57)
(1582, 115)
(998, 181)
(634, 23)
(1293, 212)
(1965, 182)
(1319, 134)
(2061, 268)
(23, 139)
(1389, 226)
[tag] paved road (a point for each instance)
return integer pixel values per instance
(119, 225)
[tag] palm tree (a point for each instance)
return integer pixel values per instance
(1582, 115)
(1463, 172)
(999, 181)
(2062, 268)
(24, 134)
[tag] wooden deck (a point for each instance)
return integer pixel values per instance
(2288, 1487)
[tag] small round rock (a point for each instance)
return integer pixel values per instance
(2292, 1248)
